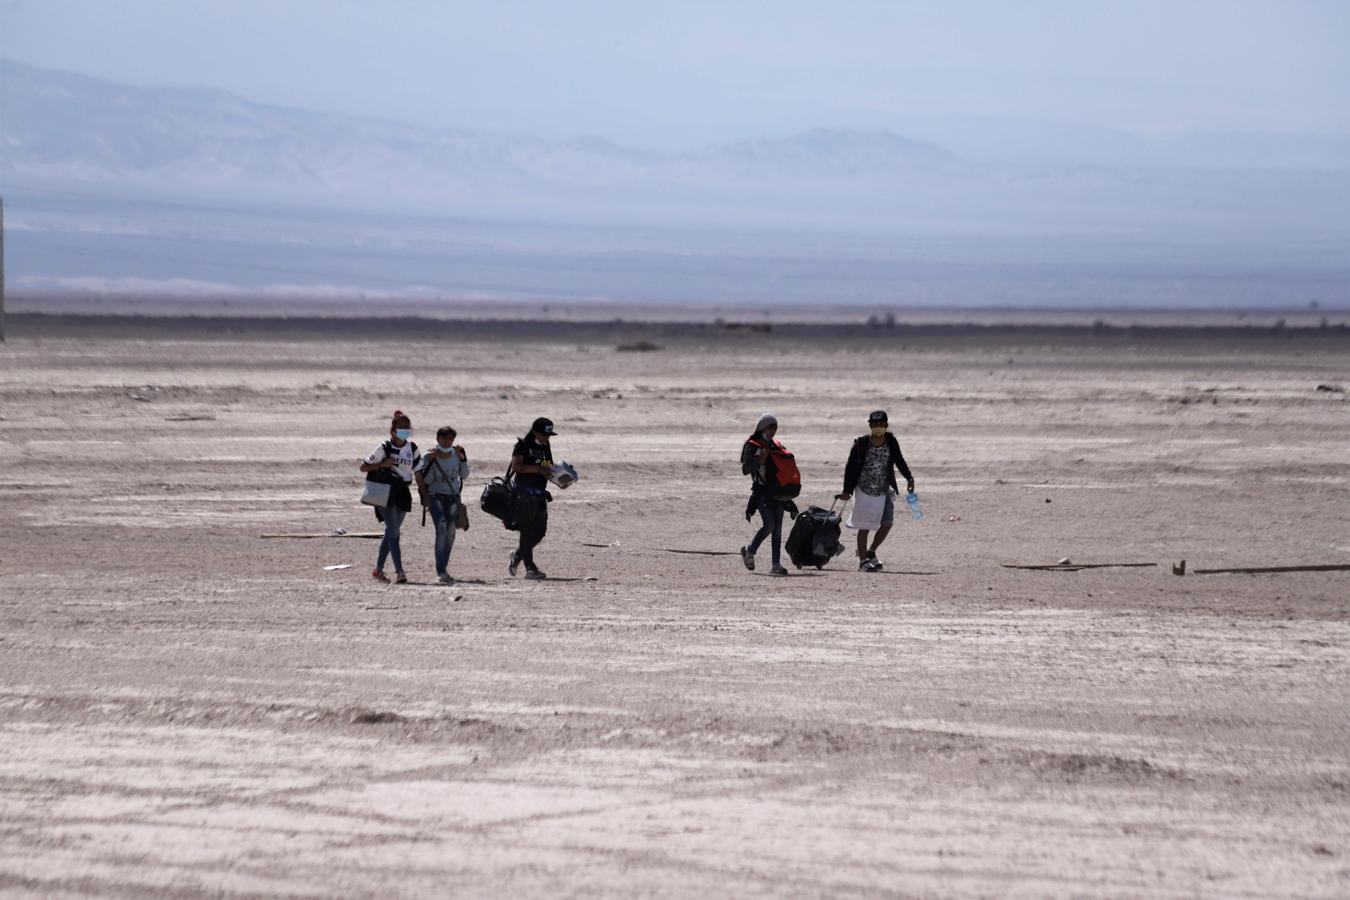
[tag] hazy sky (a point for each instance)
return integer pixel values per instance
(689, 72)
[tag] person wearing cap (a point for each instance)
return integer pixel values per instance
(754, 457)
(870, 472)
(531, 463)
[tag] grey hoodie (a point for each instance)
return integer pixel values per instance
(444, 476)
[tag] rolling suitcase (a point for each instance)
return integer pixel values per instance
(814, 539)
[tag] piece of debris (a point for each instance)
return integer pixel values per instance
(138, 397)
(336, 567)
(953, 518)
(703, 552)
(1268, 570)
(1179, 568)
(373, 717)
(332, 534)
(189, 418)
(1077, 567)
(1330, 388)
(1065, 562)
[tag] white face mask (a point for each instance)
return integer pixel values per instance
(449, 449)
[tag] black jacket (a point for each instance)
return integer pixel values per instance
(856, 456)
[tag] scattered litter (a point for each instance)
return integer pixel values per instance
(1179, 568)
(1047, 499)
(1065, 562)
(1330, 388)
(336, 567)
(953, 518)
(381, 607)
(704, 552)
(138, 397)
(337, 532)
(590, 578)
(1264, 570)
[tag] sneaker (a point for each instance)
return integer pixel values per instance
(876, 563)
(400, 578)
(535, 575)
(865, 564)
(778, 570)
(748, 558)
(379, 575)
(444, 578)
(515, 563)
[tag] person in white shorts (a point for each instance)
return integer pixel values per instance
(869, 479)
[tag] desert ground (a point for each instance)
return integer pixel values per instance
(188, 709)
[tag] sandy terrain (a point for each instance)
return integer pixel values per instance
(189, 710)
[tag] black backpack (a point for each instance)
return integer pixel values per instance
(387, 476)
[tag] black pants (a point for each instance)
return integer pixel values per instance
(532, 519)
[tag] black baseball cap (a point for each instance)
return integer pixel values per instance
(877, 417)
(543, 426)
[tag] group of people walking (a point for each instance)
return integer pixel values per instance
(440, 474)
(869, 481)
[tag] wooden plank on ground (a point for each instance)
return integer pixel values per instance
(1266, 570)
(309, 535)
(1075, 567)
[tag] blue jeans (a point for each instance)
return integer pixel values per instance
(771, 511)
(445, 516)
(393, 521)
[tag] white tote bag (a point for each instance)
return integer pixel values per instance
(867, 511)
(375, 493)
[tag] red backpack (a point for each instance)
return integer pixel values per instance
(782, 478)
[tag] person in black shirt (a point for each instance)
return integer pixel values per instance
(870, 472)
(531, 464)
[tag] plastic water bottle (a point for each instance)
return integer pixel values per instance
(913, 500)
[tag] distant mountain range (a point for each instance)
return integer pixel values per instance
(60, 125)
(88, 151)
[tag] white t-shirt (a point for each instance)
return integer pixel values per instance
(406, 460)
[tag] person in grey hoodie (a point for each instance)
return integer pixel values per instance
(439, 482)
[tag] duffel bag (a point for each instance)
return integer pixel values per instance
(497, 498)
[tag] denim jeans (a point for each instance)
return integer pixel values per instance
(445, 516)
(771, 511)
(393, 521)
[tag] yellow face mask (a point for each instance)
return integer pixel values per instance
(878, 431)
